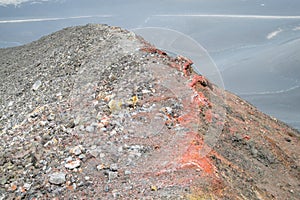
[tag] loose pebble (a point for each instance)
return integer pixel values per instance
(57, 178)
(72, 164)
(36, 85)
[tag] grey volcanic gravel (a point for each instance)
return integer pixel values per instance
(66, 106)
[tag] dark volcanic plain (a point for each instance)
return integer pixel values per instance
(95, 112)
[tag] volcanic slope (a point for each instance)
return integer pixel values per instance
(97, 112)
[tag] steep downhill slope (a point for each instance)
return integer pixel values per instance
(96, 112)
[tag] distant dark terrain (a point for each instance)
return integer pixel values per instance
(96, 111)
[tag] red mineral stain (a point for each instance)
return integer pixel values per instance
(187, 119)
(187, 64)
(247, 137)
(175, 65)
(200, 99)
(192, 142)
(153, 50)
(198, 79)
(192, 158)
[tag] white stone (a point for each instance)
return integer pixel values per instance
(27, 186)
(76, 150)
(57, 178)
(73, 164)
(90, 129)
(36, 85)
